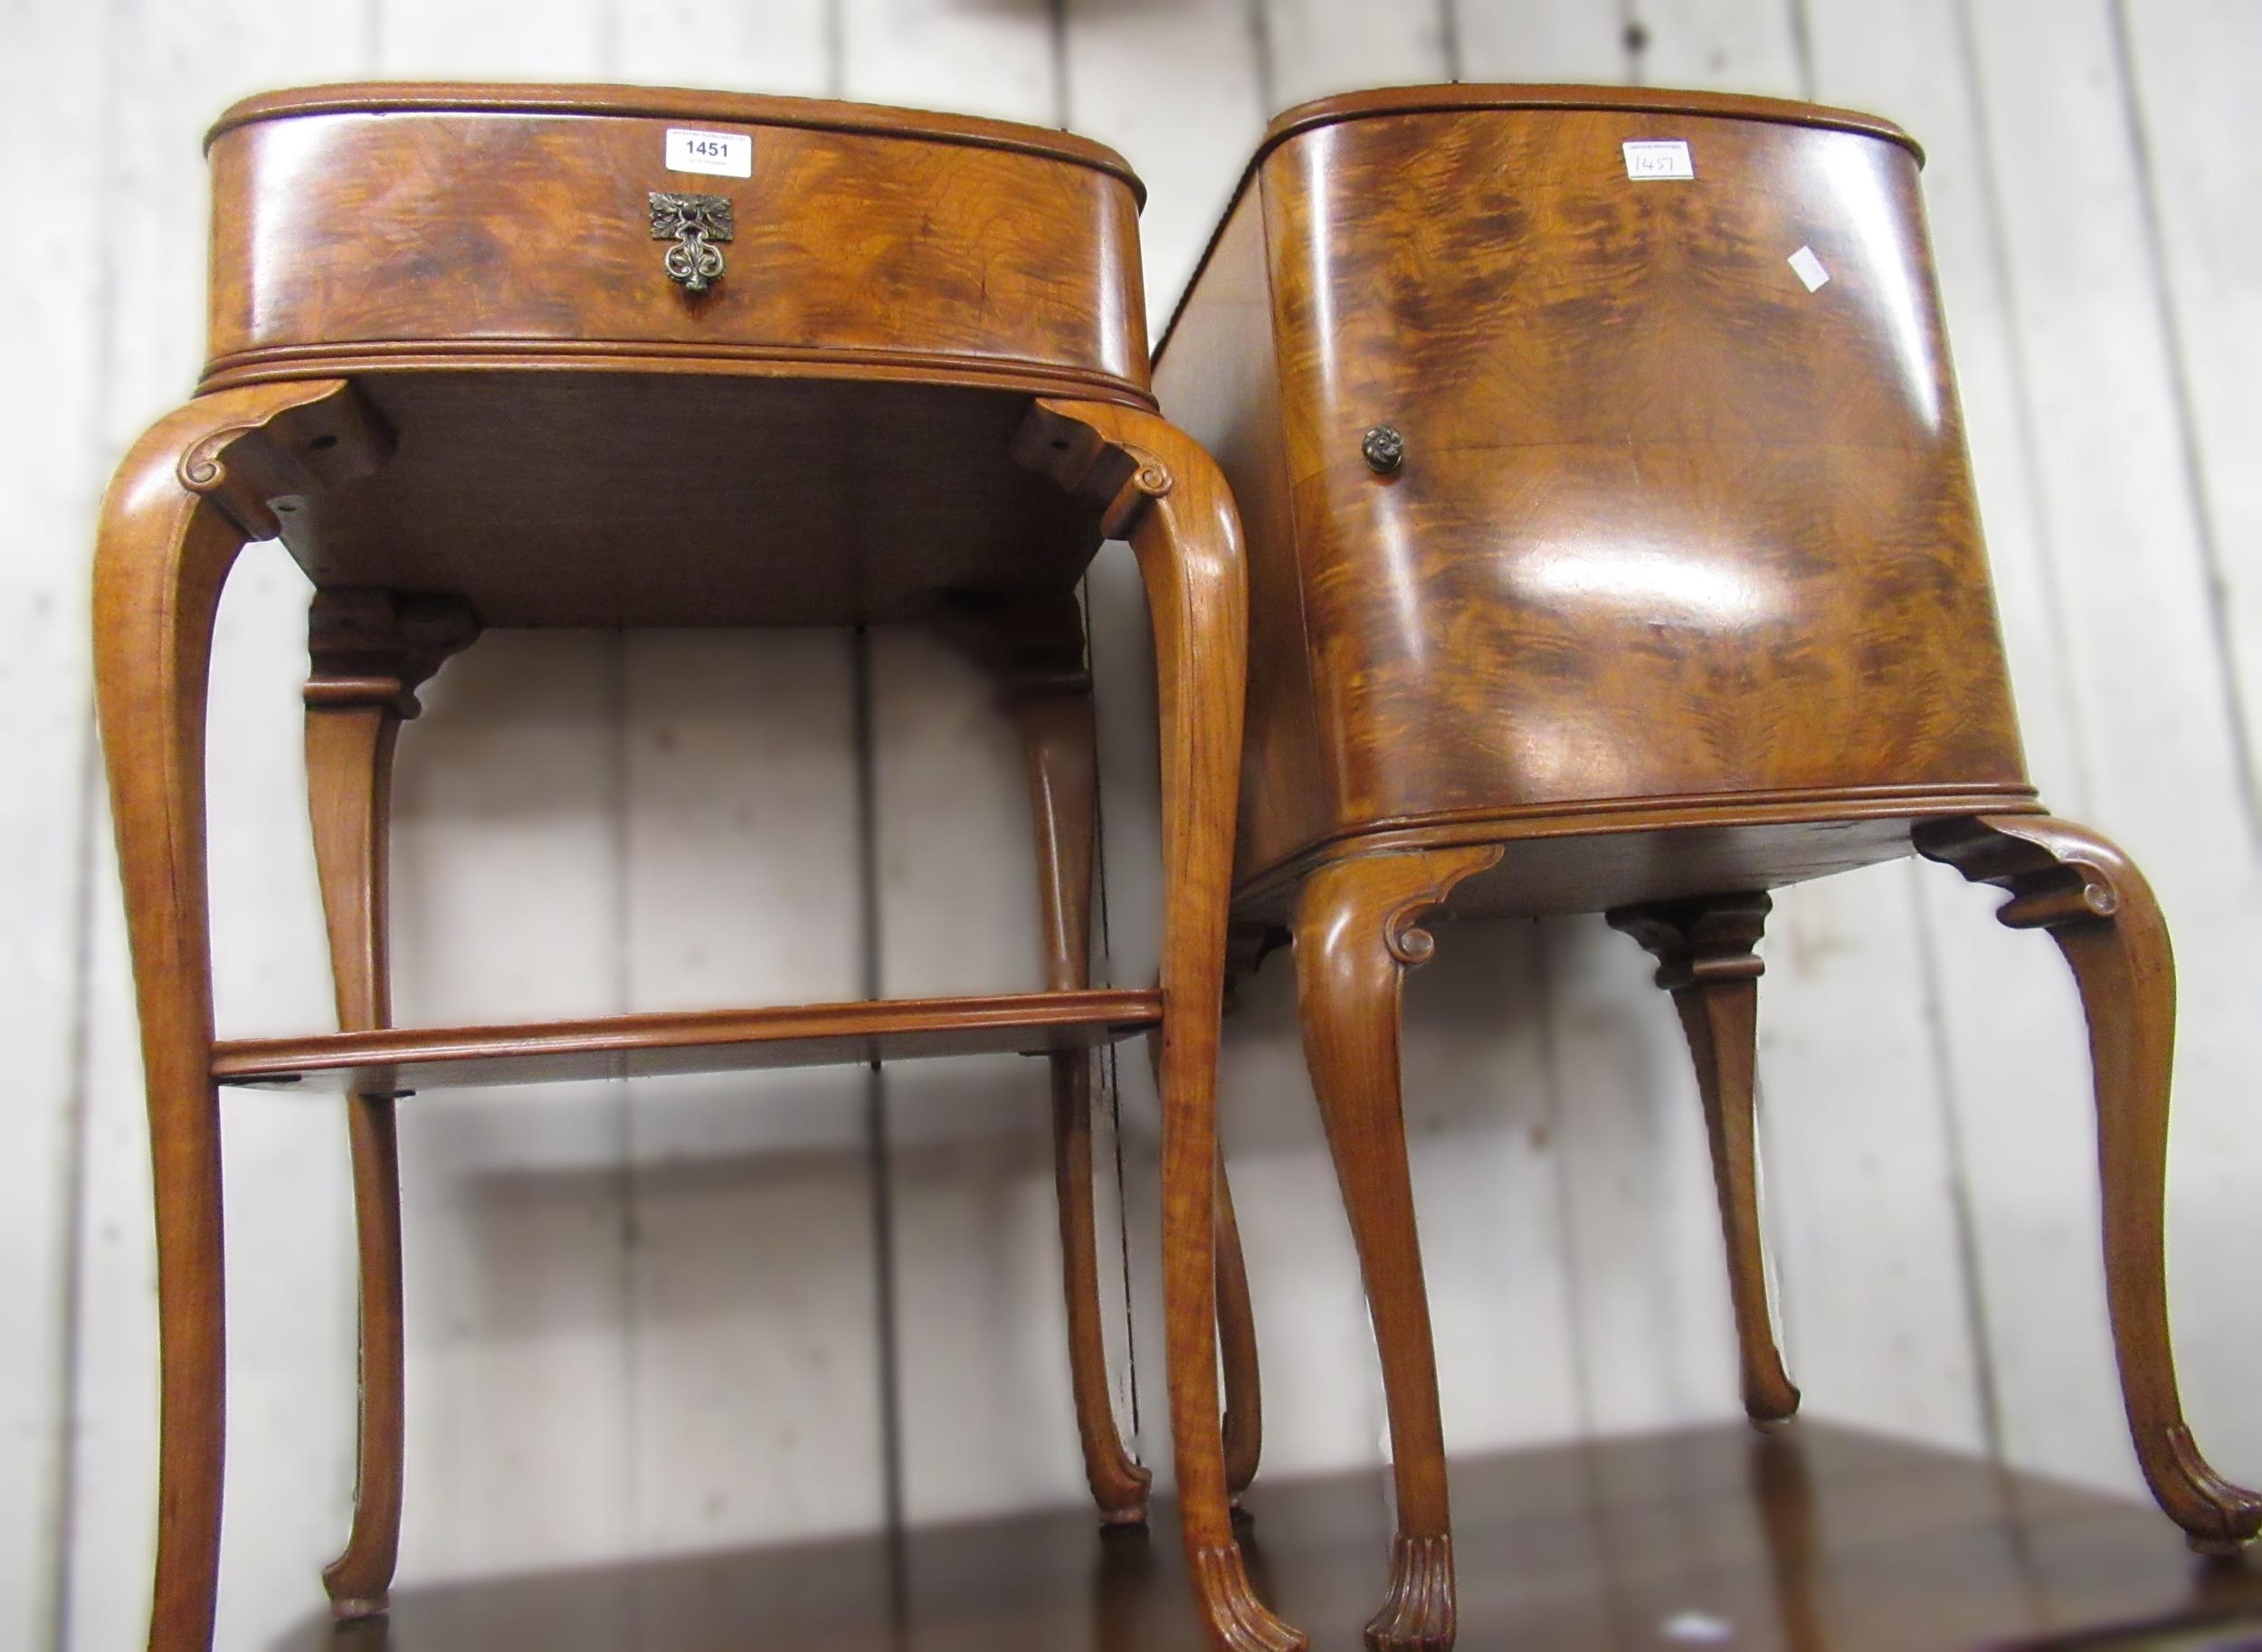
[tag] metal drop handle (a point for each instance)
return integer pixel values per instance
(695, 224)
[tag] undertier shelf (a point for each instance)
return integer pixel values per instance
(401, 1060)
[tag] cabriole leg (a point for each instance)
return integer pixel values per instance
(1355, 938)
(2099, 909)
(1705, 960)
(368, 650)
(204, 480)
(1037, 647)
(1160, 491)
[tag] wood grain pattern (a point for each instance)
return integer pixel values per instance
(789, 477)
(1706, 959)
(1161, 491)
(1079, 467)
(884, 277)
(688, 1041)
(368, 654)
(2100, 910)
(182, 505)
(1647, 466)
(1048, 693)
(736, 1179)
(1975, 1029)
(1674, 594)
(458, 219)
(1804, 1542)
(1356, 933)
(2153, 704)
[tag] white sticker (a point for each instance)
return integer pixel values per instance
(722, 154)
(1807, 267)
(1658, 158)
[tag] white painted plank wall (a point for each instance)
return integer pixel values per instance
(2150, 696)
(648, 1319)
(52, 457)
(1859, 1206)
(2015, 1087)
(2190, 117)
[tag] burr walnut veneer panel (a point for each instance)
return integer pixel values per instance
(378, 221)
(1613, 547)
(1670, 529)
(489, 356)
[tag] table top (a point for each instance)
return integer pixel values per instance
(1461, 96)
(670, 103)
(1819, 1540)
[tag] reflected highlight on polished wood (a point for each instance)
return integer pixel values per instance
(1821, 1540)
(1613, 543)
(453, 372)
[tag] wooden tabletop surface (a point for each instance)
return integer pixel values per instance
(1817, 1540)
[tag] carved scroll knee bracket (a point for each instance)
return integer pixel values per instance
(1247, 946)
(1699, 942)
(1705, 955)
(1119, 477)
(2099, 908)
(373, 649)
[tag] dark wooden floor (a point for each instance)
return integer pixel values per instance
(1817, 1540)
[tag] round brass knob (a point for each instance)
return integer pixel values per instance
(1384, 449)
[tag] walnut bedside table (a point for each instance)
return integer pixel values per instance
(1612, 548)
(579, 356)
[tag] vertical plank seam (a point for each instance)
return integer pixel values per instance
(2170, 320)
(1932, 999)
(70, 1222)
(2037, 497)
(1634, 37)
(627, 1181)
(1566, 1212)
(1258, 19)
(887, 1390)
(1967, 1244)
(876, 1149)
(628, 1219)
(1056, 31)
(1801, 29)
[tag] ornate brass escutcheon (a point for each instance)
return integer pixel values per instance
(694, 222)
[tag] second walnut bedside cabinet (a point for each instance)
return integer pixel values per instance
(1612, 547)
(579, 356)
